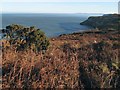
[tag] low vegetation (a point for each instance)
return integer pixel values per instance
(79, 60)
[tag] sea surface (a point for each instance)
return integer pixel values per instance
(51, 24)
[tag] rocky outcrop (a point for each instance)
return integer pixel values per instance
(105, 22)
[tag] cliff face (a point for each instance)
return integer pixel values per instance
(105, 22)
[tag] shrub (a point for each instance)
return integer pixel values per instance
(26, 38)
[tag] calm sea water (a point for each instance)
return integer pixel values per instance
(51, 24)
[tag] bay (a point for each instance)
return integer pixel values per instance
(51, 24)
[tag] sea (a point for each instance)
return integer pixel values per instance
(53, 24)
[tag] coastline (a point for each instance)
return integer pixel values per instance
(81, 59)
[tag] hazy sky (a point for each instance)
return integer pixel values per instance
(59, 6)
(60, 0)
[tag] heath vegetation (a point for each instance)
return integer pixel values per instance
(84, 60)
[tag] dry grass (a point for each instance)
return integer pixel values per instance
(28, 69)
(71, 61)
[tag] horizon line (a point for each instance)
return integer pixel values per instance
(57, 13)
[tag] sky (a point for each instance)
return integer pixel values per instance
(59, 6)
(60, 0)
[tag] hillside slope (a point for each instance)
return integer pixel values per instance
(105, 22)
(80, 60)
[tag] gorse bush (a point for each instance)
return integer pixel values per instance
(26, 38)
